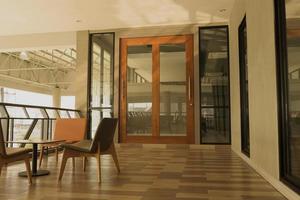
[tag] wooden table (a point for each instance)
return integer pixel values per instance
(35, 143)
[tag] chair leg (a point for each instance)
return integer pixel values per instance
(73, 162)
(41, 156)
(115, 157)
(56, 154)
(99, 167)
(1, 165)
(28, 170)
(63, 164)
(84, 163)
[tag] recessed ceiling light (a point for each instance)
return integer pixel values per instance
(222, 10)
(24, 55)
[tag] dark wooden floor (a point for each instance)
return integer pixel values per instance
(158, 173)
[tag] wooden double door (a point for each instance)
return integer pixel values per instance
(157, 90)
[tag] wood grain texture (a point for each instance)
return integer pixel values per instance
(147, 173)
(155, 42)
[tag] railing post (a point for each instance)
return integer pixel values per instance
(8, 120)
(11, 134)
(28, 134)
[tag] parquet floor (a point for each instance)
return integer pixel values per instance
(147, 173)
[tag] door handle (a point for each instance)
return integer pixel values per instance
(189, 91)
(189, 88)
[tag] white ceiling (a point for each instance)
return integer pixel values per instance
(293, 8)
(42, 16)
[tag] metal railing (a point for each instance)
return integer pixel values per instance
(28, 121)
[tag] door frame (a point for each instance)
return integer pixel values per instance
(90, 77)
(155, 42)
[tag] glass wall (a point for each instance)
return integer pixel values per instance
(244, 97)
(10, 95)
(214, 85)
(21, 122)
(101, 78)
(288, 63)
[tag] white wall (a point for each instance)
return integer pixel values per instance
(264, 152)
(61, 40)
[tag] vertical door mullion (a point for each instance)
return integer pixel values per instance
(123, 84)
(101, 92)
(155, 89)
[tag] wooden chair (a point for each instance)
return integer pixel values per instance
(70, 130)
(8, 155)
(102, 144)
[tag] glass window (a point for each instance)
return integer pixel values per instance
(101, 77)
(214, 86)
(63, 114)
(288, 50)
(2, 112)
(97, 116)
(244, 97)
(52, 113)
(25, 97)
(67, 102)
(36, 113)
(74, 114)
(16, 112)
(20, 129)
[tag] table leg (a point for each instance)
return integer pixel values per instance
(34, 158)
(35, 171)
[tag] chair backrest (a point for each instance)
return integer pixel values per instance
(70, 129)
(104, 134)
(2, 144)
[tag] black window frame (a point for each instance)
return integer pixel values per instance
(229, 99)
(89, 81)
(244, 92)
(282, 96)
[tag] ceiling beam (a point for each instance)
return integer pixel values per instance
(58, 58)
(63, 53)
(52, 62)
(26, 81)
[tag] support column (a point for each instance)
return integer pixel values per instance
(56, 98)
(2, 94)
(81, 81)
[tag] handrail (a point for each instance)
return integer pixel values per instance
(44, 109)
(33, 106)
(43, 114)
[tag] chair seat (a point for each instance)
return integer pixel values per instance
(10, 152)
(57, 144)
(82, 146)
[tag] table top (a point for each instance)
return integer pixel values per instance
(35, 141)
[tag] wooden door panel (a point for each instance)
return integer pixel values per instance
(155, 43)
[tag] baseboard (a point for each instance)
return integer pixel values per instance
(175, 146)
(277, 184)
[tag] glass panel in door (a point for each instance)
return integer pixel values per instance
(139, 90)
(173, 91)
